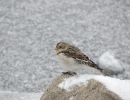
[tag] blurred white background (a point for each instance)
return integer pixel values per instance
(30, 29)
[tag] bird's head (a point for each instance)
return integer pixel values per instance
(61, 46)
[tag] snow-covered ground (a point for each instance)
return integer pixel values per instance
(30, 29)
(9, 95)
(120, 87)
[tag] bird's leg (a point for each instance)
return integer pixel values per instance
(70, 73)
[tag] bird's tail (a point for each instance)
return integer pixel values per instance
(96, 67)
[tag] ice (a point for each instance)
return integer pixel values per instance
(120, 87)
(110, 64)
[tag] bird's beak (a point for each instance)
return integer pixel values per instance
(56, 48)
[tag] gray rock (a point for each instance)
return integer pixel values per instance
(93, 91)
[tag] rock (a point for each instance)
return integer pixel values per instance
(93, 91)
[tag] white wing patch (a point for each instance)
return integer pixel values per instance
(80, 61)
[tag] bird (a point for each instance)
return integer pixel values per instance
(72, 59)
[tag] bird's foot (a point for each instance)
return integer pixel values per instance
(70, 73)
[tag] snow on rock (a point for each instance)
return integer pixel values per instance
(71, 98)
(110, 64)
(120, 87)
(72, 81)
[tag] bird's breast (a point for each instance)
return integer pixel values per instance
(67, 63)
(63, 59)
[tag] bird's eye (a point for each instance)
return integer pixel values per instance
(60, 46)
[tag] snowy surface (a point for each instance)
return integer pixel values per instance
(9, 95)
(120, 87)
(110, 64)
(30, 29)
(71, 98)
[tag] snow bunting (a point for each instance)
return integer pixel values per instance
(72, 59)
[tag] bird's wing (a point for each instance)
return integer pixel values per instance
(81, 58)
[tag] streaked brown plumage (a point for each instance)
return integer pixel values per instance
(70, 51)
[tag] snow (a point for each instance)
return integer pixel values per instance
(9, 95)
(71, 98)
(120, 87)
(110, 64)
